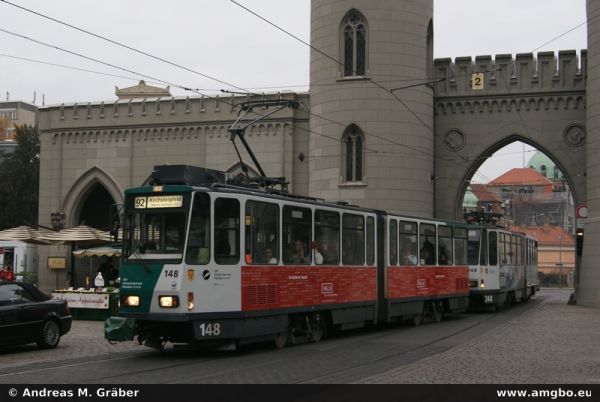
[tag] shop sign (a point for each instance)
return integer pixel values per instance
(84, 300)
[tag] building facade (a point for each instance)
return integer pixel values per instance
(13, 114)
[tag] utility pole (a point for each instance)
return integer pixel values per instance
(560, 264)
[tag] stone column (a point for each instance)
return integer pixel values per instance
(588, 293)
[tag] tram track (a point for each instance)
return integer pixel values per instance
(288, 365)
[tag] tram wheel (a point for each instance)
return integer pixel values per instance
(437, 312)
(318, 329)
(417, 319)
(282, 338)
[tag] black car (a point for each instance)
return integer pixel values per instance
(27, 315)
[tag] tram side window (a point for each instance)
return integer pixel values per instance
(393, 242)
(370, 240)
(519, 250)
(199, 231)
(262, 227)
(427, 244)
(227, 231)
(473, 246)
(484, 248)
(353, 239)
(408, 243)
(513, 250)
(503, 249)
(460, 246)
(493, 244)
(327, 236)
(296, 235)
(444, 245)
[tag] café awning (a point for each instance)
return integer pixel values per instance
(106, 251)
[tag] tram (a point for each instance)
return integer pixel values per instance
(502, 267)
(207, 262)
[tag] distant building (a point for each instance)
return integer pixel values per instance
(531, 199)
(12, 114)
(142, 90)
(556, 254)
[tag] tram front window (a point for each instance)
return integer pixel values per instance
(155, 233)
(473, 246)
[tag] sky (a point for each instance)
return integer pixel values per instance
(222, 40)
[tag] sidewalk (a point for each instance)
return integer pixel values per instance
(552, 343)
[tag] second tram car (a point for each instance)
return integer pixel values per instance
(503, 266)
(206, 262)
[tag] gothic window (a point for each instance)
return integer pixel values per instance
(354, 44)
(353, 145)
(543, 171)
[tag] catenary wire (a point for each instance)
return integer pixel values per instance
(123, 45)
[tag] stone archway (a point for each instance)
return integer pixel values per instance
(572, 182)
(464, 141)
(85, 186)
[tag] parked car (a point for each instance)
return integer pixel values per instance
(27, 315)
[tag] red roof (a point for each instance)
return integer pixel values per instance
(521, 176)
(483, 194)
(547, 235)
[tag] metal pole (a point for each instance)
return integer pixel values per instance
(560, 265)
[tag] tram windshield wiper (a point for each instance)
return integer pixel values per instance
(141, 260)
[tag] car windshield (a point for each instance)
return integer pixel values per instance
(155, 233)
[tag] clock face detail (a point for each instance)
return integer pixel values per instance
(454, 140)
(574, 135)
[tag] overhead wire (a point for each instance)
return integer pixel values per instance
(122, 45)
(213, 78)
(465, 159)
(223, 100)
(70, 67)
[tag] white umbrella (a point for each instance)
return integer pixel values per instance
(25, 234)
(79, 234)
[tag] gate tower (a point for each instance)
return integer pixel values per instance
(366, 146)
(588, 293)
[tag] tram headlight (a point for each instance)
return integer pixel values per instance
(482, 284)
(168, 301)
(131, 301)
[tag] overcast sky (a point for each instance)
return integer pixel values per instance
(220, 39)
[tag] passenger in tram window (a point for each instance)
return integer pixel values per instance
(324, 255)
(443, 256)
(408, 258)
(319, 256)
(428, 252)
(298, 254)
(268, 257)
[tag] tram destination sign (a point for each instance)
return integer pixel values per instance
(159, 201)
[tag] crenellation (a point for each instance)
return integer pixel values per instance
(505, 73)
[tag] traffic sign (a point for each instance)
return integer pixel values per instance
(581, 214)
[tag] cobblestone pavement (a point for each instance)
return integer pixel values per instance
(86, 339)
(552, 343)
